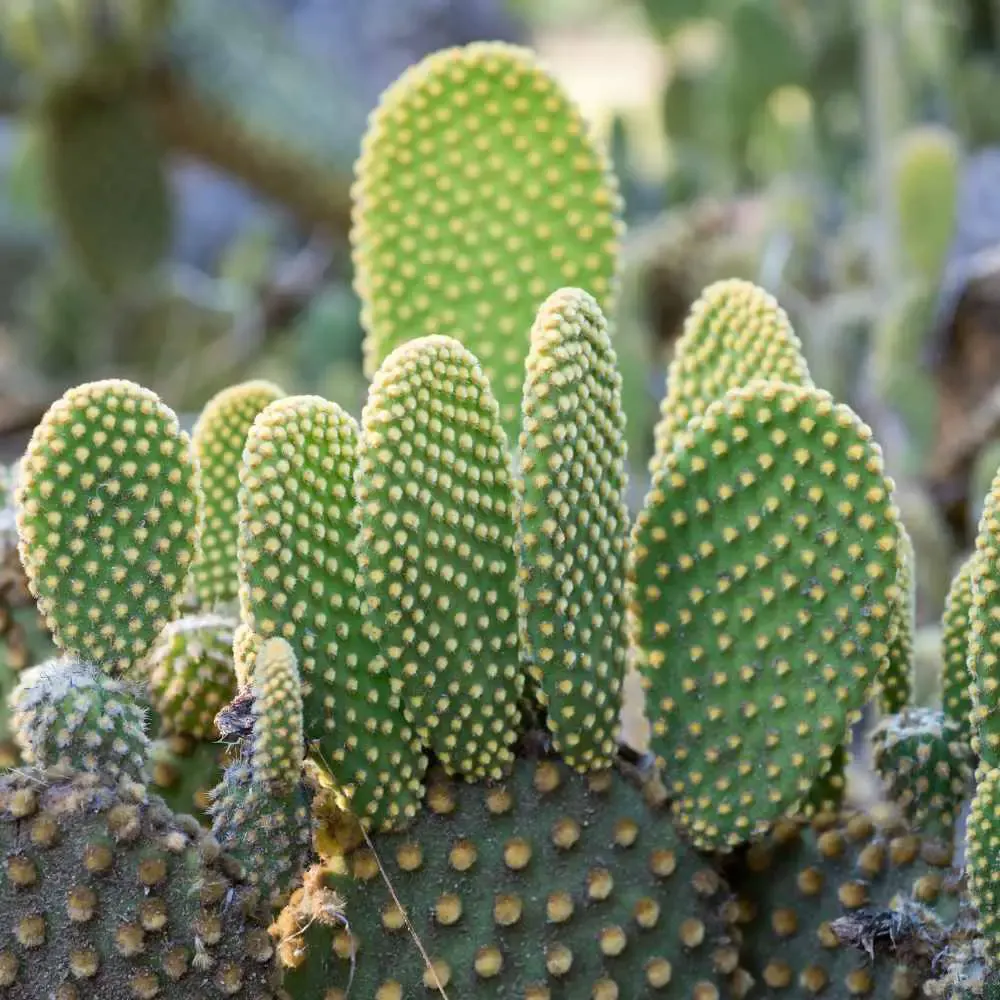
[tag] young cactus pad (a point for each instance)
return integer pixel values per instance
(574, 527)
(955, 680)
(982, 837)
(297, 571)
(896, 680)
(218, 439)
(734, 334)
(108, 517)
(764, 575)
(437, 552)
(479, 190)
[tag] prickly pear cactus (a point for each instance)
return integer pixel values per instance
(764, 559)
(895, 687)
(477, 157)
(955, 679)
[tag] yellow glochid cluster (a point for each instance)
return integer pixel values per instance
(574, 528)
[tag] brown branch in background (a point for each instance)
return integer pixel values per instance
(317, 197)
(956, 461)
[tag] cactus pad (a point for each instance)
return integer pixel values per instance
(108, 518)
(574, 527)
(927, 766)
(764, 575)
(67, 715)
(955, 680)
(190, 674)
(982, 836)
(479, 191)
(802, 878)
(735, 333)
(551, 884)
(896, 680)
(107, 894)
(218, 439)
(298, 582)
(437, 557)
(246, 644)
(260, 810)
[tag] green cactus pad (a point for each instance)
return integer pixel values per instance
(108, 895)
(895, 687)
(108, 518)
(926, 765)
(261, 812)
(574, 527)
(983, 660)
(297, 572)
(246, 644)
(803, 877)
(190, 674)
(735, 333)
(549, 885)
(68, 715)
(218, 439)
(764, 576)
(955, 679)
(479, 191)
(437, 557)
(981, 839)
(827, 794)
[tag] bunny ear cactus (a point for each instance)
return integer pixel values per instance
(298, 581)
(574, 527)
(109, 895)
(479, 190)
(896, 681)
(763, 569)
(955, 679)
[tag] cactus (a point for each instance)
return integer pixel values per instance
(981, 847)
(479, 190)
(299, 583)
(896, 680)
(927, 765)
(740, 569)
(734, 333)
(956, 699)
(218, 438)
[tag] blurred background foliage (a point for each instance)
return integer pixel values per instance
(175, 189)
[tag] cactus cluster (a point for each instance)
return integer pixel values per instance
(405, 639)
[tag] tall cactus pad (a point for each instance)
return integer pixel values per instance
(955, 680)
(984, 631)
(479, 191)
(896, 681)
(437, 551)
(246, 645)
(764, 572)
(927, 766)
(298, 581)
(108, 518)
(574, 527)
(734, 334)
(551, 885)
(107, 895)
(260, 811)
(218, 438)
(982, 837)
(191, 675)
(68, 715)
(801, 879)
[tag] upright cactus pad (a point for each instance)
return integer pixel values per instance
(574, 527)
(69, 716)
(437, 555)
(298, 581)
(551, 884)
(896, 680)
(108, 896)
(984, 631)
(191, 675)
(926, 764)
(802, 878)
(246, 645)
(108, 518)
(218, 439)
(764, 575)
(955, 680)
(479, 191)
(260, 810)
(734, 334)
